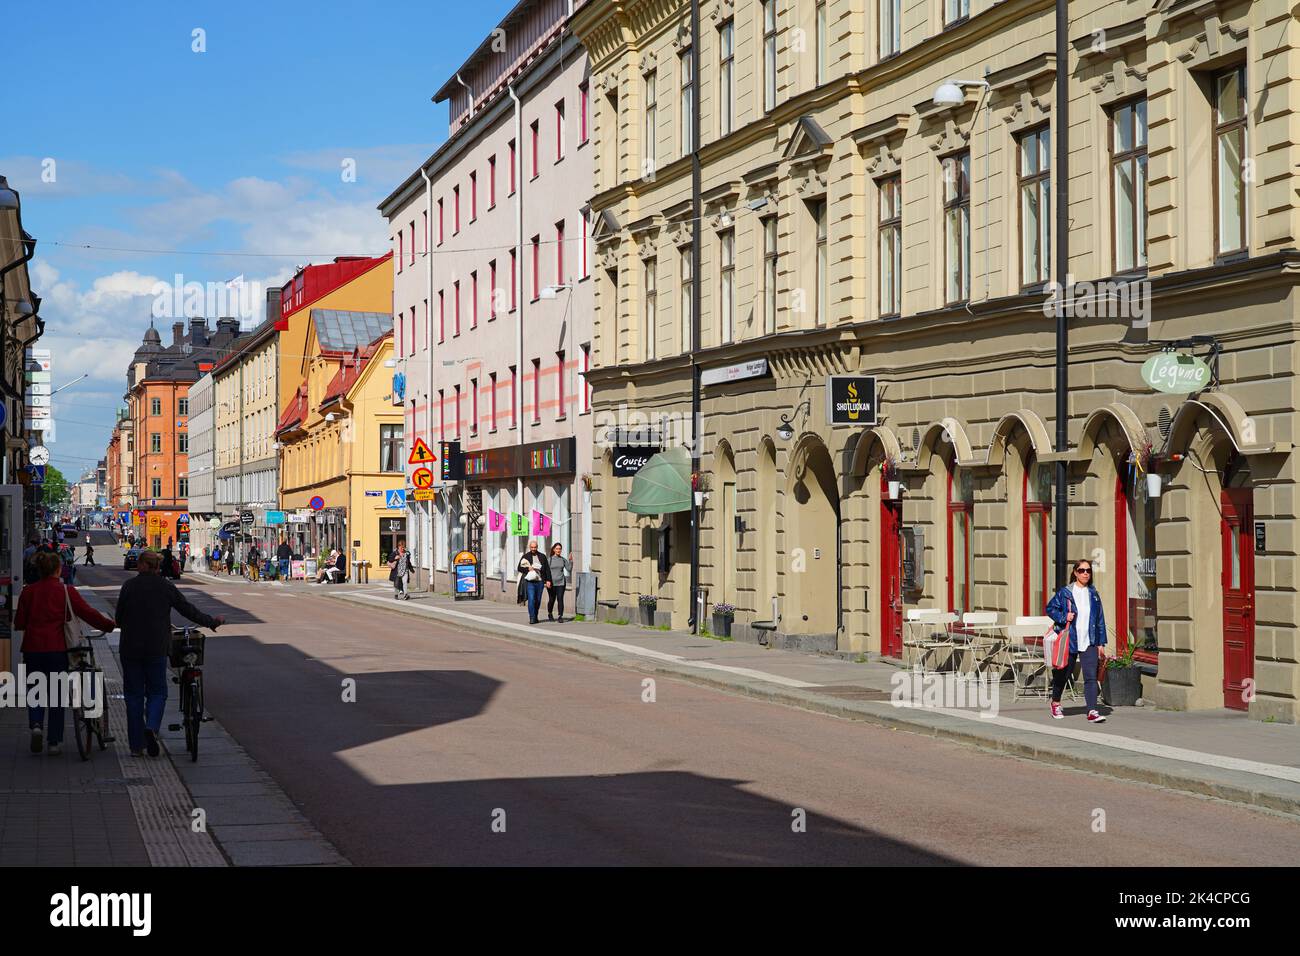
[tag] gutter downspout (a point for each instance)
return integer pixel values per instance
(426, 526)
(696, 290)
(470, 94)
(518, 278)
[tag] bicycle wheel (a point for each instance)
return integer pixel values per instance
(193, 716)
(82, 731)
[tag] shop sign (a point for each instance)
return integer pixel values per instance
(1261, 541)
(297, 569)
(453, 467)
(392, 525)
(851, 400)
(466, 574)
(1175, 373)
(274, 517)
(734, 373)
(628, 461)
(247, 517)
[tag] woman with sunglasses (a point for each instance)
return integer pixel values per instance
(1077, 607)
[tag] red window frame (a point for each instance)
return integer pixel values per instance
(559, 252)
(412, 252)
(440, 221)
(473, 195)
(473, 404)
(1030, 508)
(492, 182)
(514, 164)
(584, 99)
(586, 388)
(442, 315)
(492, 398)
(455, 206)
(537, 141)
(455, 309)
(492, 289)
(457, 412)
(401, 249)
(963, 511)
(559, 131)
(537, 391)
(514, 280)
(559, 386)
(537, 266)
(442, 415)
(514, 397)
(473, 299)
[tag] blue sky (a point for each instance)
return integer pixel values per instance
(239, 148)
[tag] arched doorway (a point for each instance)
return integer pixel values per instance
(873, 502)
(765, 520)
(723, 525)
(813, 516)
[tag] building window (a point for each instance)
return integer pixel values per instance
(961, 509)
(473, 407)
(130, 441)
(155, 442)
(1035, 207)
(537, 391)
(584, 111)
(559, 131)
(726, 64)
(473, 299)
(1229, 161)
(401, 250)
(771, 264)
(559, 253)
(514, 397)
(891, 245)
(586, 268)
(492, 182)
(442, 415)
(440, 222)
(586, 388)
(648, 314)
(651, 120)
(473, 195)
(1128, 184)
(686, 64)
(442, 315)
(954, 11)
(514, 165)
(956, 227)
(823, 266)
(535, 137)
(822, 42)
(769, 54)
(411, 253)
(492, 290)
(562, 411)
(1037, 534)
(455, 210)
(183, 407)
(155, 487)
(492, 399)
(891, 17)
(537, 267)
(455, 308)
(686, 286)
(514, 279)
(182, 487)
(183, 443)
(456, 423)
(424, 228)
(155, 406)
(727, 285)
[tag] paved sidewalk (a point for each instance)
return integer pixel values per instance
(119, 810)
(1217, 753)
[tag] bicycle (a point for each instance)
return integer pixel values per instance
(88, 729)
(186, 656)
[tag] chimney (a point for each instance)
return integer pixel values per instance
(228, 325)
(198, 331)
(178, 332)
(273, 304)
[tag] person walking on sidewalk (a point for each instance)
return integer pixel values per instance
(534, 575)
(561, 569)
(230, 561)
(43, 608)
(254, 556)
(401, 573)
(1077, 608)
(283, 555)
(90, 552)
(144, 612)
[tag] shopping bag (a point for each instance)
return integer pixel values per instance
(1056, 648)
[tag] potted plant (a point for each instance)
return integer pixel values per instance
(723, 615)
(1123, 684)
(895, 485)
(648, 603)
(1145, 459)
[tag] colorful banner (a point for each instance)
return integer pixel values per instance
(496, 521)
(518, 525)
(541, 525)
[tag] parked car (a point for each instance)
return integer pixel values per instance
(131, 558)
(69, 531)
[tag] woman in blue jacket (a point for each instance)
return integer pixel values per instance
(1077, 606)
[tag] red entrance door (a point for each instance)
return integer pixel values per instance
(891, 576)
(1238, 595)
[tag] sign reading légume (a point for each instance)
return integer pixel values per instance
(1175, 373)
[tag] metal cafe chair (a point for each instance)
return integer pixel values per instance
(928, 631)
(982, 642)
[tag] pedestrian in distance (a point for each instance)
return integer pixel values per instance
(283, 555)
(144, 611)
(1076, 608)
(534, 578)
(230, 561)
(400, 575)
(43, 608)
(324, 575)
(561, 571)
(254, 559)
(90, 552)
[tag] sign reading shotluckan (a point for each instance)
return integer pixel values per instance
(851, 400)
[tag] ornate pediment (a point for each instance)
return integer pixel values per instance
(808, 142)
(723, 10)
(682, 35)
(606, 229)
(880, 144)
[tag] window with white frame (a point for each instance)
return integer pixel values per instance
(686, 69)
(769, 55)
(1229, 91)
(891, 17)
(956, 226)
(1128, 163)
(726, 66)
(650, 299)
(651, 121)
(686, 288)
(891, 245)
(727, 284)
(771, 264)
(1034, 149)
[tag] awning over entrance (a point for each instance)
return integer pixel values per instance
(663, 485)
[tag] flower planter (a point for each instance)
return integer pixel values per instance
(722, 625)
(1153, 485)
(647, 615)
(1123, 686)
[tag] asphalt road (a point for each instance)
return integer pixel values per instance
(451, 733)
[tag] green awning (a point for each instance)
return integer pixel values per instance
(663, 485)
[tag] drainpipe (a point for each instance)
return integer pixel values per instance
(519, 280)
(1061, 176)
(426, 526)
(697, 227)
(470, 94)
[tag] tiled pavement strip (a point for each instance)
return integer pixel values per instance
(1214, 753)
(119, 810)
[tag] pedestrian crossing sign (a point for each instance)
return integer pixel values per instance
(421, 453)
(395, 498)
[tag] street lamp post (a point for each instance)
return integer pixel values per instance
(1062, 199)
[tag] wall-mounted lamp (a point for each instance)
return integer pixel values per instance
(785, 431)
(953, 92)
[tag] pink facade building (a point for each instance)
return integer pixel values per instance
(492, 301)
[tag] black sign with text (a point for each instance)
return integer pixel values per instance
(851, 400)
(629, 460)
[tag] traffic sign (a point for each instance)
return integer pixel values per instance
(422, 494)
(317, 503)
(421, 453)
(183, 519)
(422, 478)
(396, 498)
(38, 471)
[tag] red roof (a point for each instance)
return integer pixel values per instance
(350, 370)
(315, 282)
(295, 412)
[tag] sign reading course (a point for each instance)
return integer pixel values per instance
(628, 461)
(851, 400)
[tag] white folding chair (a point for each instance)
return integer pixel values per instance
(935, 634)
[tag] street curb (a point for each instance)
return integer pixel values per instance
(1234, 786)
